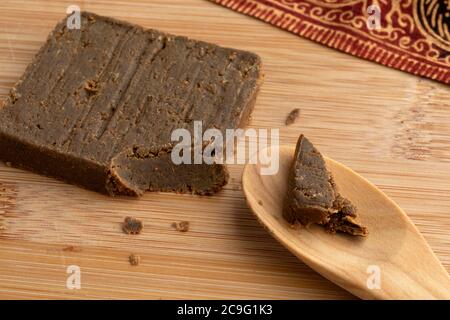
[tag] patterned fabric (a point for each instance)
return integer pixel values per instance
(414, 35)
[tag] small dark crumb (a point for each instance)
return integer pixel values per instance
(293, 116)
(91, 86)
(182, 226)
(132, 225)
(260, 202)
(71, 249)
(134, 259)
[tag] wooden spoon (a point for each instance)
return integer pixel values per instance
(393, 262)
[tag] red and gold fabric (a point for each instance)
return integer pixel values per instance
(414, 35)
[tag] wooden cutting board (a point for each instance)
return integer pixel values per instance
(389, 126)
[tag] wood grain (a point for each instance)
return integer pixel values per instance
(391, 127)
(392, 247)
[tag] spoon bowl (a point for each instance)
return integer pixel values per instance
(393, 262)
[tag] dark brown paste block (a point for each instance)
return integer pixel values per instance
(313, 197)
(92, 95)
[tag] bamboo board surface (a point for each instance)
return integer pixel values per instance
(391, 127)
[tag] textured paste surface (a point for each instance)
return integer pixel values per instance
(97, 106)
(313, 197)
